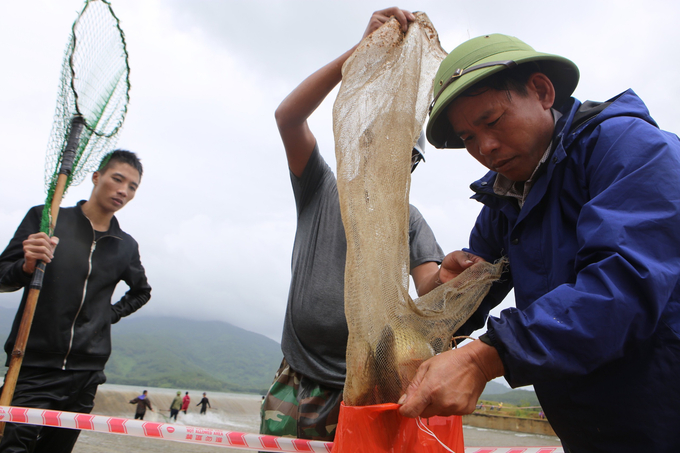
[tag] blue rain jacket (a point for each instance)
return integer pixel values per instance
(594, 259)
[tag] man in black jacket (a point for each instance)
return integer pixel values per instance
(142, 402)
(70, 340)
(205, 404)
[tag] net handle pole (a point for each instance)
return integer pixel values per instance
(19, 349)
(67, 159)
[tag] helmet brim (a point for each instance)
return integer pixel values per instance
(563, 74)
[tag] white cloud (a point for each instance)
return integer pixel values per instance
(214, 215)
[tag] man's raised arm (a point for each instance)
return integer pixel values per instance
(292, 113)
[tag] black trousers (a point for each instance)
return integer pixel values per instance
(54, 389)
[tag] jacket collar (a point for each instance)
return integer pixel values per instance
(576, 119)
(114, 228)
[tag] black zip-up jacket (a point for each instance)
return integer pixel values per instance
(72, 323)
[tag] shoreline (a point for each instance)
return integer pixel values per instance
(509, 423)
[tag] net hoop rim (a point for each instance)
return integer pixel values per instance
(73, 42)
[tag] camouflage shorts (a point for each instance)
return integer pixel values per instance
(297, 406)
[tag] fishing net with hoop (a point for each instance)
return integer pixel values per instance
(94, 86)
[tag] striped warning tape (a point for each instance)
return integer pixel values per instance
(168, 431)
(193, 434)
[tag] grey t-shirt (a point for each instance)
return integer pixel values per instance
(315, 331)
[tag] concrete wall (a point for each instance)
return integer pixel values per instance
(504, 422)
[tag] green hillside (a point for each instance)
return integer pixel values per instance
(498, 392)
(516, 397)
(179, 353)
(173, 352)
(494, 388)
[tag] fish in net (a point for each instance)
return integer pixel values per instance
(377, 117)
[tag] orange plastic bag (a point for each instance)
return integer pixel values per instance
(380, 428)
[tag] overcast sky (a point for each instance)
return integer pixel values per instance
(214, 215)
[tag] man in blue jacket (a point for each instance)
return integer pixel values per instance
(584, 201)
(70, 339)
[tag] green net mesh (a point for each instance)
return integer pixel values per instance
(95, 85)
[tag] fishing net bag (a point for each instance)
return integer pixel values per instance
(378, 117)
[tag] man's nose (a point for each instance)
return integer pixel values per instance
(487, 144)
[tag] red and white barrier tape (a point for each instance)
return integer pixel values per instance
(168, 431)
(193, 434)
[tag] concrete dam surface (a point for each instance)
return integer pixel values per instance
(238, 412)
(114, 400)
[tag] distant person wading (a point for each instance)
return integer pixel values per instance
(142, 402)
(204, 403)
(175, 406)
(185, 402)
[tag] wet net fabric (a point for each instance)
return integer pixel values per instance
(378, 116)
(94, 84)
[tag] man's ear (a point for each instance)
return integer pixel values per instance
(541, 85)
(95, 177)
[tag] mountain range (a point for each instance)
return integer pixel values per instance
(172, 352)
(182, 353)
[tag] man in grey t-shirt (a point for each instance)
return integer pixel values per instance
(304, 400)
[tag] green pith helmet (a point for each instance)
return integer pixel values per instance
(477, 59)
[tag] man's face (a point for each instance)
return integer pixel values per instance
(116, 187)
(507, 132)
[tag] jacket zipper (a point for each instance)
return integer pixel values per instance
(82, 302)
